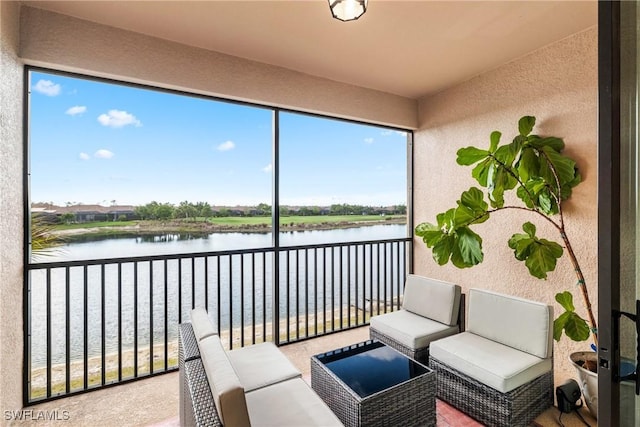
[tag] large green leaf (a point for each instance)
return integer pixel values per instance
(481, 171)
(521, 245)
(574, 326)
(470, 155)
(543, 257)
(577, 328)
(546, 201)
(443, 249)
(564, 166)
(472, 209)
(440, 242)
(540, 255)
(499, 179)
(528, 165)
(506, 154)
(446, 220)
(469, 248)
(536, 193)
(495, 140)
(556, 143)
(525, 197)
(495, 185)
(565, 299)
(430, 233)
(558, 325)
(530, 229)
(526, 124)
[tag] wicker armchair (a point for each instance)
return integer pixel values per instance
(253, 385)
(431, 309)
(500, 371)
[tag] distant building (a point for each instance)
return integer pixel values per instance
(87, 213)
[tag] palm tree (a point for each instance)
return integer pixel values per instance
(43, 240)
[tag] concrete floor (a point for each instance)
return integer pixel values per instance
(153, 402)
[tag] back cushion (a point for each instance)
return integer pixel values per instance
(434, 299)
(228, 394)
(519, 323)
(202, 326)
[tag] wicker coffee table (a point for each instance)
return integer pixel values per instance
(371, 384)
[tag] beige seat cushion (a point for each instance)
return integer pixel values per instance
(290, 403)
(433, 299)
(409, 329)
(496, 365)
(261, 365)
(202, 326)
(519, 323)
(228, 394)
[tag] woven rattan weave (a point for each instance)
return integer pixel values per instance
(202, 411)
(516, 408)
(197, 407)
(411, 403)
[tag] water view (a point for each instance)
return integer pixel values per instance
(147, 167)
(116, 298)
(170, 244)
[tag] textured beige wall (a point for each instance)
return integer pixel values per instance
(558, 85)
(66, 43)
(11, 258)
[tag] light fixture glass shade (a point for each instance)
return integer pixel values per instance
(347, 10)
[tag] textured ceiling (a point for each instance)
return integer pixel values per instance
(408, 48)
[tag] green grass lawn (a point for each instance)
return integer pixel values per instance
(317, 219)
(241, 221)
(95, 224)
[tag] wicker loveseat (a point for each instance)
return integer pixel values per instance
(251, 386)
(500, 370)
(431, 309)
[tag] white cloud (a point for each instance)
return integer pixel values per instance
(85, 156)
(103, 154)
(389, 132)
(268, 168)
(75, 110)
(47, 87)
(118, 119)
(368, 140)
(226, 146)
(384, 356)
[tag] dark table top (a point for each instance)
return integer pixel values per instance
(370, 367)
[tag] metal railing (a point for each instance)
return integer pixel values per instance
(96, 323)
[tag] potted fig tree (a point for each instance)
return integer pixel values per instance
(542, 178)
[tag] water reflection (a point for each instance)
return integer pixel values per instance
(104, 247)
(176, 237)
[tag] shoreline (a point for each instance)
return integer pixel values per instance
(197, 228)
(38, 376)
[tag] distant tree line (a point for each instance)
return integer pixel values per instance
(188, 210)
(166, 211)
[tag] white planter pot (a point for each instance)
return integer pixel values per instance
(588, 380)
(589, 384)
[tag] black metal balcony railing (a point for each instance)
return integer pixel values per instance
(101, 322)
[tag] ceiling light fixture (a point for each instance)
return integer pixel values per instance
(347, 10)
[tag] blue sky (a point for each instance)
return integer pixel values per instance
(94, 142)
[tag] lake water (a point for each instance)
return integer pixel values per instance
(178, 244)
(174, 281)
